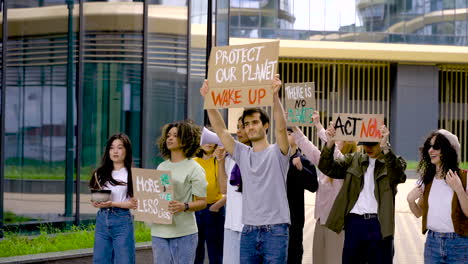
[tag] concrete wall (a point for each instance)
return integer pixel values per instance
(414, 108)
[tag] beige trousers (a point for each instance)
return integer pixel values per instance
(327, 245)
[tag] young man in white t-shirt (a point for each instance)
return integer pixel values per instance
(264, 167)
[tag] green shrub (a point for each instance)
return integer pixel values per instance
(413, 165)
(10, 217)
(41, 172)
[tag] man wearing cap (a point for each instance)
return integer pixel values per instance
(365, 205)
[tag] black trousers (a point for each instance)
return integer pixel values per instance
(295, 248)
(364, 243)
(210, 230)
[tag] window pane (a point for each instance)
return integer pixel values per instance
(36, 110)
(165, 97)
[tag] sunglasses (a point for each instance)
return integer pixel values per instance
(435, 146)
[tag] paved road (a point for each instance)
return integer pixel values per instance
(409, 241)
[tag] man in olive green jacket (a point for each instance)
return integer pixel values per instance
(365, 205)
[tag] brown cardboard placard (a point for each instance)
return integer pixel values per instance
(300, 103)
(241, 75)
(358, 127)
(153, 189)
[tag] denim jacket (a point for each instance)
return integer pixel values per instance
(388, 173)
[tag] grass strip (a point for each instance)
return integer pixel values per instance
(10, 217)
(58, 173)
(53, 240)
(413, 165)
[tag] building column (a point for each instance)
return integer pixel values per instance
(414, 108)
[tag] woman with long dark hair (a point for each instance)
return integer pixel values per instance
(442, 195)
(114, 240)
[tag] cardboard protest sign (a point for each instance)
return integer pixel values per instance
(153, 189)
(300, 103)
(241, 76)
(358, 127)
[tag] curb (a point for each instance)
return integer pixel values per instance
(76, 256)
(41, 186)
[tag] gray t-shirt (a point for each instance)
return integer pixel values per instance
(264, 176)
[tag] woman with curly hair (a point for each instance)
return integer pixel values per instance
(114, 240)
(177, 242)
(442, 195)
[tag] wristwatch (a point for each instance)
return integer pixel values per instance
(186, 207)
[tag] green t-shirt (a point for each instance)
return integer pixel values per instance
(188, 179)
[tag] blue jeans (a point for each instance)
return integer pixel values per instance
(210, 230)
(264, 244)
(114, 240)
(177, 250)
(445, 248)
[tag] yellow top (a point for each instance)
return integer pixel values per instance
(213, 194)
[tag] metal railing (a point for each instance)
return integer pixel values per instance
(453, 103)
(342, 86)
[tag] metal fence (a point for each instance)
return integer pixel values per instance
(342, 86)
(453, 103)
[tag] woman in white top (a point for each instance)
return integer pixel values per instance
(442, 199)
(231, 178)
(114, 240)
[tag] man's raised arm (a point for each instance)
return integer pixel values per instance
(217, 123)
(280, 120)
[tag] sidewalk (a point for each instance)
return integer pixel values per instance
(409, 242)
(39, 204)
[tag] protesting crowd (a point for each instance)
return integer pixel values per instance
(240, 198)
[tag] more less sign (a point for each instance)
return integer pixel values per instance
(241, 76)
(358, 127)
(153, 189)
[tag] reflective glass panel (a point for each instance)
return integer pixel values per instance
(36, 109)
(165, 97)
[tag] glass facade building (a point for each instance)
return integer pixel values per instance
(435, 22)
(80, 71)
